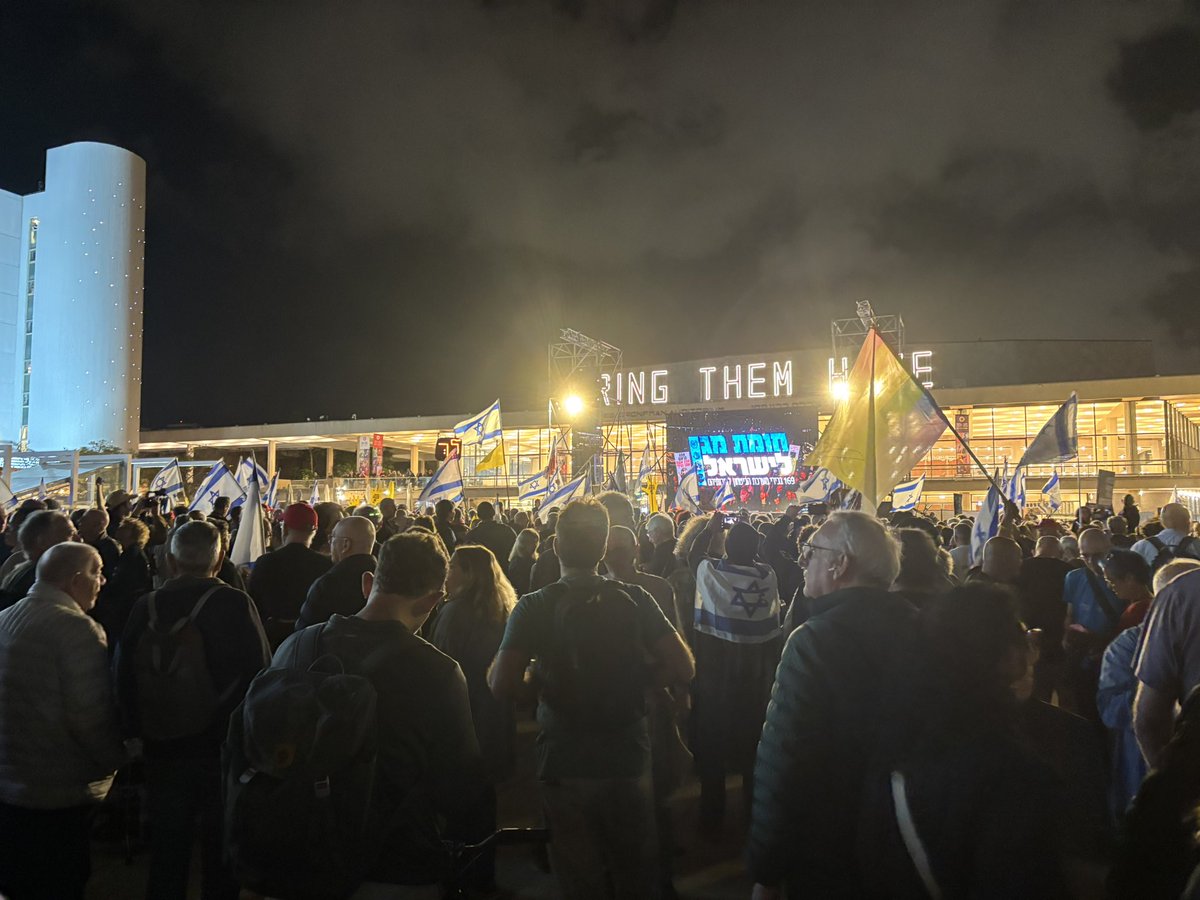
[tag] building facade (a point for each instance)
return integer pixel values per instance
(72, 262)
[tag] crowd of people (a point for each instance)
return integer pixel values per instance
(908, 718)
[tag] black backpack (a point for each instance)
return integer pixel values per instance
(176, 694)
(596, 675)
(1185, 549)
(298, 771)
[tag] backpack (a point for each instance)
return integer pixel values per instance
(176, 694)
(597, 674)
(1183, 550)
(298, 772)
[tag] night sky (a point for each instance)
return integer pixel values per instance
(387, 208)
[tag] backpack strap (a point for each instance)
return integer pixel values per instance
(306, 648)
(1184, 546)
(1158, 545)
(912, 839)
(1111, 614)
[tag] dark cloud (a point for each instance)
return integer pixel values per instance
(338, 189)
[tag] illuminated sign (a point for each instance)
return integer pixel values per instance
(920, 362)
(739, 460)
(753, 380)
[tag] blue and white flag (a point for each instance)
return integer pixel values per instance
(907, 495)
(688, 495)
(1051, 492)
(249, 543)
(315, 497)
(272, 491)
(219, 482)
(534, 486)
(817, 487)
(249, 470)
(645, 467)
(616, 478)
(723, 495)
(1015, 488)
(736, 603)
(572, 490)
(482, 427)
(169, 480)
(987, 524)
(42, 489)
(1058, 439)
(447, 484)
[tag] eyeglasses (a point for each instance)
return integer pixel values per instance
(807, 548)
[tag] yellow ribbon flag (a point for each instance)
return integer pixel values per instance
(494, 459)
(883, 428)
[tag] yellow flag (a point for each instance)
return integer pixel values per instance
(391, 491)
(886, 424)
(494, 459)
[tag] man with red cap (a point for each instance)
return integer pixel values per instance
(280, 580)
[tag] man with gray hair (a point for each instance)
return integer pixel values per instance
(661, 531)
(181, 737)
(59, 742)
(836, 667)
(41, 531)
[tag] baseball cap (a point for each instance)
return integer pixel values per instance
(300, 517)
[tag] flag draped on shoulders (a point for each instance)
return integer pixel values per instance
(883, 428)
(737, 603)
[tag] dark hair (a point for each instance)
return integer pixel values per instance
(412, 564)
(40, 524)
(968, 632)
(487, 591)
(741, 544)
(581, 535)
(486, 510)
(443, 508)
(422, 523)
(1127, 564)
(620, 509)
(920, 567)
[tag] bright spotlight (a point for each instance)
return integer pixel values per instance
(840, 390)
(572, 405)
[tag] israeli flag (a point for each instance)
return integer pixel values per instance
(219, 482)
(1016, 487)
(272, 491)
(534, 486)
(645, 467)
(817, 487)
(987, 524)
(616, 479)
(572, 490)
(482, 427)
(447, 484)
(1051, 492)
(169, 480)
(723, 495)
(1059, 438)
(687, 496)
(249, 543)
(249, 470)
(908, 495)
(315, 497)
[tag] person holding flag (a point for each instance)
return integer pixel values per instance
(168, 481)
(218, 483)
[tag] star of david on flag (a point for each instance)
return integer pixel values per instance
(482, 427)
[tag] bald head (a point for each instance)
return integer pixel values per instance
(352, 536)
(1176, 517)
(73, 568)
(92, 524)
(1048, 547)
(1002, 559)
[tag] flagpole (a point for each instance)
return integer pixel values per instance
(871, 473)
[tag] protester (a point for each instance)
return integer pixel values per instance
(388, 525)
(522, 559)
(660, 529)
(1128, 574)
(960, 551)
(328, 515)
(93, 531)
(59, 741)
(1093, 619)
(815, 747)
(546, 569)
(118, 505)
(194, 631)
(12, 540)
(468, 629)
(429, 766)
(443, 523)
(737, 640)
(619, 507)
(131, 579)
(42, 530)
(494, 535)
(1131, 514)
(590, 638)
(921, 575)
(1118, 532)
(1040, 597)
(340, 589)
(280, 580)
(1174, 541)
(1168, 663)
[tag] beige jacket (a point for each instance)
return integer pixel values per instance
(59, 740)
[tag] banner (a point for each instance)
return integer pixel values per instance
(364, 456)
(962, 459)
(377, 455)
(683, 464)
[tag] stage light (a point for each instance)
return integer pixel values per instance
(572, 405)
(840, 390)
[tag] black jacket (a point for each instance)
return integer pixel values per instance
(279, 584)
(497, 537)
(337, 591)
(813, 755)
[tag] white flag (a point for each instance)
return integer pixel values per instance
(249, 544)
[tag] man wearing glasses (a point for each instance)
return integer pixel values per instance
(835, 670)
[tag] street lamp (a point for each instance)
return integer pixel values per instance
(572, 405)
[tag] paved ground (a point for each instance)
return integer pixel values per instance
(705, 868)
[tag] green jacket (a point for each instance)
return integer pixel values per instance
(819, 733)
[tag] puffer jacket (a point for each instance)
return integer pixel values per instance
(59, 740)
(819, 733)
